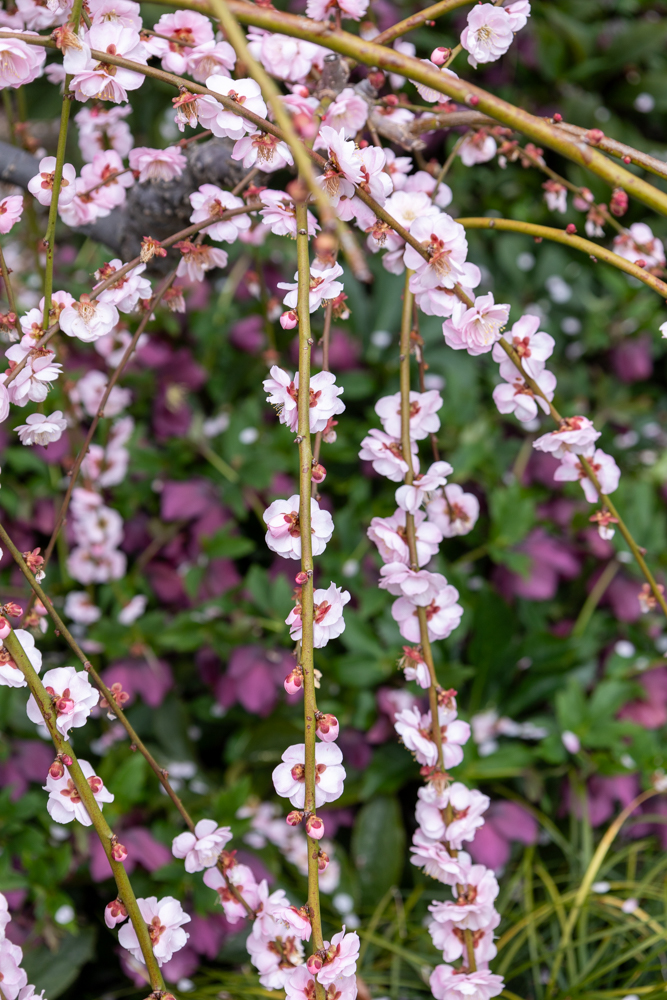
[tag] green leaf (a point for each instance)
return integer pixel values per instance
(512, 514)
(378, 845)
(223, 545)
(55, 971)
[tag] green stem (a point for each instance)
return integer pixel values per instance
(595, 596)
(9, 292)
(307, 610)
(415, 20)
(50, 238)
(102, 828)
(579, 243)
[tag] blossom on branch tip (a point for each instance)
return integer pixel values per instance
(65, 804)
(164, 919)
(197, 259)
(202, 848)
(40, 429)
(72, 695)
(488, 34)
(328, 620)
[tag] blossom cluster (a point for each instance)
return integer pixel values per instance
(14, 979)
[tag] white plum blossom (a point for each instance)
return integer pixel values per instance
(14, 978)
(102, 81)
(226, 124)
(488, 34)
(328, 621)
(124, 293)
(289, 777)
(416, 733)
(443, 615)
(282, 393)
(411, 497)
(389, 534)
(10, 674)
(603, 466)
(473, 909)
(467, 808)
(164, 919)
(323, 287)
(386, 455)
(454, 511)
(517, 397)
(639, 243)
(264, 151)
(519, 12)
(419, 586)
(476, 328)
(157, 164)
(532, 346)
(88, 320)
(242, 878)
(448, 983)
(40, 429)
(65, 804)
(446, 243)
(201, 849)
(73, 697)
(81, 609)
(41, 185)
(32, 382)
(575, 435)
(283, 535)
(423, 414)
(478, 147)
(348, 113)
(211, 200)
(300, 985)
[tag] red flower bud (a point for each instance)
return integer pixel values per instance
(440, 55)
(315, 827)
(294, 817)
(376, 79)
(289, 320)
(56, 770)
(314, 964)
(322, 860)
(318, 473)
(293, 683)
(627, 159)
(301, 578)
(66, 759)
(13, 610)
(570, 229)
(472, 100)
(327, 728)
(118, 852)
(641, 262)
(619, 202)
(558, 117)
(594, 136)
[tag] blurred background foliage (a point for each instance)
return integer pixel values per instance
(531, 648)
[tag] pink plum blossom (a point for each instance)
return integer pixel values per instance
(32, 382)
(474, 908)
(450, 939)
(211, 200)
(467, 807)
(283, 535)
(73, 695)
(386, 455)
(300, 985)
(430, 94)
(197, 259)
(164, 919)
(415, 732)
(448, 983)
(488, 34)
(11, 209)
(279, 214)
(575, 435)
(41, 185)
(341, 957)
(319, 10)
(224, 123)
(285, 58)
(603, 466)
(101, 126)
(133, 610)
(453, 511)
(124, 12)
(443, 615)
(264, 151)
(323, 286)
(348, 113)
(446, 243)
(478, 147)
(40, 429)
(89, 390)
(64, 804)
(519, 12)
(411, 497)
(114, 913)
(14, 978)
(282, 393)
(555, 195)
(20, 63)
(10, 674)
(518, 398)
(423, 414)
(80, 608)
(343, 169)
(112, 194)
(436, 860)
(187, 29)
(158, 164)
(289, 777)
(532, 346)
(201, 849)
(242, 878)
(639, 243)
(211, 58)
(419, 586)
(389, 534)
(477, 328)
(328, 623)
(127, 291)
(93, 79)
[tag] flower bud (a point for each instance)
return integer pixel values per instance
(293, 683)
(314, 964)
(594, 136)
(318, 473)
(315, 827)
(57, 769)
(327, 728)
(66, 759)
(570, 229)
(13, 610)
(289, 320)
(301, 578)
(5, 628)
(440, 55)
(114, 913)
(118, 852)
(376, 79)
(619, 202)
(294, 817)
(322, 860)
